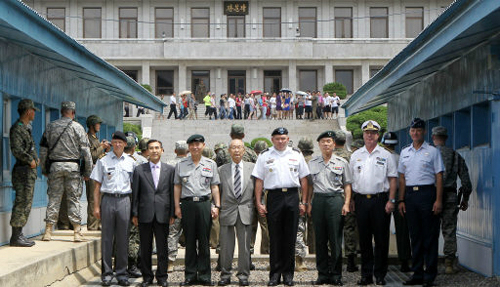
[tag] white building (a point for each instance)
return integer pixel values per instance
(237, 46)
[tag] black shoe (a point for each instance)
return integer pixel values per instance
(380, 281)
(413, 281)
(188, 282)
(428, 284)
(163, 283)
(365, 281)
(224, 282)
(123, 282)
(218, 268)
(288, 282)
(134, 272)
(146, 283)
(244, 282)
(106, 283)
(321, 282)
(272, 283)
(337, 282)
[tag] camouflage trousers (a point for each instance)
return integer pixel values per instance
(60, 182)
(174, 234)
(300, 245)
(133, 245)
(350, 234)
(449, 224)
(23, 181)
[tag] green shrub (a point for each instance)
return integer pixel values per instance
(378, 114)
(335, 87)
(128, 127)
(269, 143)
(247, 144)
(147, 87)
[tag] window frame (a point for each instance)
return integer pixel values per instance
(410, 16)
(373, 18)
(272, 19)
(352, 79)
(236, 18)
(308, 20)
(158, 22)
(85, 19)
(52, 19)
(343, 19)
(130, 22)
(158, 87)
(300, 79)
(200, 18)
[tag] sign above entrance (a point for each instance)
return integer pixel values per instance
(236, 8)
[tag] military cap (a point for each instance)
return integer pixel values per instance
(327, 134)
(220, 145)
(118, 135)
(340, 136)
(417, 123)
(181, 145)
(237, 129)
(440, 131)
(370, 126)
(130, 141)
(208, 152)
(195, 138)
(26, 104)
(389, 138)
(143, 144)
(92, 120)
(305, 143)
(260, 146)
(359, 143)
(280, 131)
(68, 105)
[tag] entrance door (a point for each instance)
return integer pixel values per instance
(200, 83)
(236, 82)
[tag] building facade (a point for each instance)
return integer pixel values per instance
(238, 46)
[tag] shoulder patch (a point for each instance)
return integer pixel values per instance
(266, 150)
(340, 158)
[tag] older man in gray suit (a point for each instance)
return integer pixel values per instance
(237, 208)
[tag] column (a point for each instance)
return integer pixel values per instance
(329, 72)
(72, 22)
(146, 74)
(292, 75)
(365, 72)
(146, 27)
(182, 78)
(363, 23)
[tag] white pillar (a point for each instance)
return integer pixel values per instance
(365, 72)
(292, 75)
(182, 78)
(328, 73)
(146, 74)
(73, 18)
(363, 23)
(145, 29)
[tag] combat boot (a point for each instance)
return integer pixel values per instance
(17, 240)
(47, 236)
(21, 235)
(299, 264)
(448, 263)
(351, 264)
(78, 237)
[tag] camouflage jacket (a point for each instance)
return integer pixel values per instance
(343, 153)
(96, 150)
(22, 143)
(224, 157)
(455, 166)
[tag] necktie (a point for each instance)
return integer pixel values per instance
(156, 175)
(237, 182)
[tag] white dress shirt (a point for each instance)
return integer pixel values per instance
(371, 171)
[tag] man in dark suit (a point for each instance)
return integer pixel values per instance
(236, 211)
(153, 210)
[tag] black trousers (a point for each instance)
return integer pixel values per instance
(160, 231)
(173, 110)
(282, 221)
(373, 225)
(424, 231)
(238, 112)
(246, 111)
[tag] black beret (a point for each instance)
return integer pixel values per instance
(327, 134)
(280, 131)
(417, 123)
(118, 135)
(195, 138)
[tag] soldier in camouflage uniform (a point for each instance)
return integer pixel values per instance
(214, 230)
(350, 226)
(264, 240)
(306, 146)
(175, 229)
(359, 143)
(454, 166)
(24, 175)
(221, 154)
(63, 143)
(143, 147)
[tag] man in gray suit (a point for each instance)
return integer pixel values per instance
(237, 208)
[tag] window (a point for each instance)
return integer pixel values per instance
(6, 155)
(379, 19)
(272, 81)
(307, 22)
(374, 71)
(128, 22)
(447, 122)
(200, 22)
(200, 83)
(481, 124)
(462, 128)
(272, 22)
(92, 22)
(345, 77)
(308, 80)
(57, 16)
(132, 74)
(236, 26)
(164, 22)
(164, 82)
(414, 21)
(236, 82)
(343, 22)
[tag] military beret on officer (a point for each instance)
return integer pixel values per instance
(181, 145)
(280, 131)
(370, 126)
(417, 123)
(195, 138)
(26, 104)
(68, 105)
(327, 134)
(118, 135)
(439, 131)
(237, 129)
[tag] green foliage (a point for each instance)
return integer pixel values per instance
(378, 114)
(147, 87)
(269, 143)
(128, 127)
(247, 144)
(335, 87)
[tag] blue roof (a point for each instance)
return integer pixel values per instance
(462, 27)
(22, 26)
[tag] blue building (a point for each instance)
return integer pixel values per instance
(40, 62)
(450, 75)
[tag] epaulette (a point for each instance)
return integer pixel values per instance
(408, 145)
(267, 149)
(132, 157)
(340, 158)
(296, 149)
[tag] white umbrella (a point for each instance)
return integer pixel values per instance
(185, 92)
(301, 93)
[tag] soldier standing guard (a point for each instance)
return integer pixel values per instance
(63, 144)
(24, 175)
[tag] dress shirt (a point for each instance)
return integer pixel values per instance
(196, 180)
(233, 169)
(371, 171)
(420, 166)
(331, 177)
(231, 102)
(114, 173)
(155, 172)
(173, 101)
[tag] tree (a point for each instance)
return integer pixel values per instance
(128, 127)
(337, 88)
(378, 114)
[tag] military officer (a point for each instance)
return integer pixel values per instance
(63, 144)
(24, 175)
(196, 180)
(455, 166)
(420, 201)
(374, 172)
(331, 180)
(281, 170)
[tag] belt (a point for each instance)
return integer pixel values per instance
(419, 187)
(330, 194)
(285, 189)
(450, 189)
(66, 160)
(196, 198)
(116, 194)
(380, 194)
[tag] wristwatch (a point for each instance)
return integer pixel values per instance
(216, 206)
(302, 203)
(392, 200)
